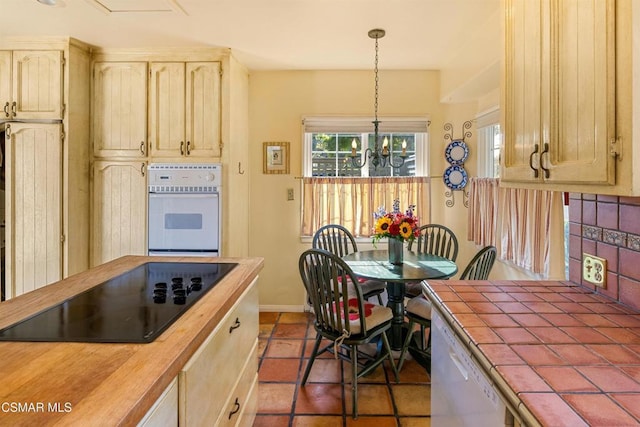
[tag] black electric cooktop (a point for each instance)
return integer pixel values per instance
(135, 307)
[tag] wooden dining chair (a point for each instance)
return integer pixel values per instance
(418, 309)
(339, 241)
(347, 321)
(434, 239)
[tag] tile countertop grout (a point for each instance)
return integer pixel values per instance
(467, 306)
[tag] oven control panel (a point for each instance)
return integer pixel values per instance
(184, 178)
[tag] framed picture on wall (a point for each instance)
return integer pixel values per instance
(276, 157)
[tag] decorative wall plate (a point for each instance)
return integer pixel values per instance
(456, 152)
(455, 177)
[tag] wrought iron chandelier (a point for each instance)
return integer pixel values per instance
(380, 155)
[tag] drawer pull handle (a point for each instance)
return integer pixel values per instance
(182, 148)
(235, 325)
(13, 108)
(188, 148)
(236, 409)
(6, 109)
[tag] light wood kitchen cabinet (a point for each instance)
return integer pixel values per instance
(119, 109)
(218, 385)
(34, 205)
(184, 109)
(559, 94)
(49, 79)
(31, 84)
(119, 210)
(163, 413)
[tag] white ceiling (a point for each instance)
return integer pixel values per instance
(274, 34)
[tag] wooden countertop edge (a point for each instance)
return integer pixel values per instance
(128, 393)
(516, 406)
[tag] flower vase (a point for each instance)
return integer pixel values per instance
(396, 250)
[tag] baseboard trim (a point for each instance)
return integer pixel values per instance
(282, 308)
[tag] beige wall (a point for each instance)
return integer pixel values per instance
(278, 100)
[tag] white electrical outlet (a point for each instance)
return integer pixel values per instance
(594, 270)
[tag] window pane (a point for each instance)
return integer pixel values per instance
(331, 154)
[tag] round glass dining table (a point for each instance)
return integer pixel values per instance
(374, 264)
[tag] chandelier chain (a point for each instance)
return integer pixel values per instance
(375, 70)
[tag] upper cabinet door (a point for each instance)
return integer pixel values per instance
(583, 82)
(559, 101)
(525, 88)
(120, 109)
(5, 84)
(203, 109)
(166, 109)
(37, 85)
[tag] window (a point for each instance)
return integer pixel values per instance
(328, 146)
(337, 192)
(489, 144)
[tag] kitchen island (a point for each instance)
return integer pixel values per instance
(559, 354)
(78, 383)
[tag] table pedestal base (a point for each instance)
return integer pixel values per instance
(395, 292)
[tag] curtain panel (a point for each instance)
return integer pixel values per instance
(351, 201)
(483, 211)
(523, 224)
(529, 221)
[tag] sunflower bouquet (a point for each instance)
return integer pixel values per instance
(397, 225)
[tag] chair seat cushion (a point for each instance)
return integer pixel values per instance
(367, 285)
(375, 315)
(419, 306)
(412, 289)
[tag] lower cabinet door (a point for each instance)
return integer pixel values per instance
(33, 206)
(241, 406)
(119, 214)
(163, 413)
(211, 375)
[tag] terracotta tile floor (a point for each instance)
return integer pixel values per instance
(286, 341)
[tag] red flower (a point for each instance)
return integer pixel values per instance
(394, 229)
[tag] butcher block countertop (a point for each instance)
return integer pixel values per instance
(560, 354)
(72, 383)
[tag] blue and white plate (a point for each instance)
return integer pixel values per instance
(456, 152)
(455, 177)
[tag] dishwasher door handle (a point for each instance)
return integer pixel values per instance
(456, 361)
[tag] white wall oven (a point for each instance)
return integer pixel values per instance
(184, 209)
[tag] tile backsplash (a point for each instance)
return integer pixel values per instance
(608, 227)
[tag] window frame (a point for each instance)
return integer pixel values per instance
(363, 126)
(485, 123)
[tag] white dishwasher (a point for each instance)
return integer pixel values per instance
(461, 393)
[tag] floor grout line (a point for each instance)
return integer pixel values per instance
(345, 417)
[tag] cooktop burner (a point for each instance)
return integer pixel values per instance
(134, 307)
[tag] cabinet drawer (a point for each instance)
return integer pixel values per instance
(212, 372)
(241, 406)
